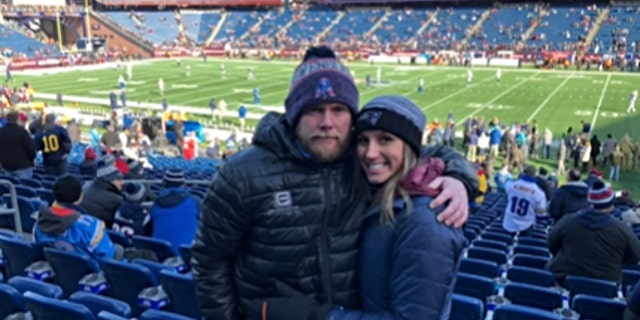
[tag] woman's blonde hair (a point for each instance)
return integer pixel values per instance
(392, 188)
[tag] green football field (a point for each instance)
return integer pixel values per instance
(556, 99)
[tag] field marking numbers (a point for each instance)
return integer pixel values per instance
(544, 103)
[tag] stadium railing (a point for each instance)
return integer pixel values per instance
(14, 209)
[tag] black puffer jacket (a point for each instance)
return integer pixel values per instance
(570, 198)
(101, 199)
(272, 214)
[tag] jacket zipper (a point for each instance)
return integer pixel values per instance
(325, 266)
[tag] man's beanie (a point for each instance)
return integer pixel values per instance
(134, 191)
(600, 195)
(394, 114)
(320, 78)
(173, 178)
(107, 170)
(67, 189)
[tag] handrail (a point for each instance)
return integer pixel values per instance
(15, 210)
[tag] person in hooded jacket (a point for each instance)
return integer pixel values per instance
(592, 243)
(570, 197)
(174, 213)
(415, 256)
(103, 195)
(288, 208)
(132, 218)
(89, 166)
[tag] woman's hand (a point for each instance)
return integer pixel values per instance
(454, 192)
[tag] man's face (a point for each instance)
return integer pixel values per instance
(324, 131)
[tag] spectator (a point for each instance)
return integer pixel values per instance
(593, 176)
(53, 140)
(175, 211)
(625, 200)
(608, 147)
(132, 218)
(570, 197)
(526, 202)
(88, 167)
(102, 195)
(136, 170)
(502, 177)
(542, 180)
(74, 131)
(592, 243)
(110, 139)
(17, 151)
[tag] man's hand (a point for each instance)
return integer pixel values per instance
(453, 191)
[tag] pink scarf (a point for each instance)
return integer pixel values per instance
(417, 180)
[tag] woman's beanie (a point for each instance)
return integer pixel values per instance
(394, 114)
(320, 78)
(600, 195)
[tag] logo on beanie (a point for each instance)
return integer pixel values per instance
(324, 89)
(371, 116)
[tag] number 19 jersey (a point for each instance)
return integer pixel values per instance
(525, 198)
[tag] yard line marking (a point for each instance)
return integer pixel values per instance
(497, 97)
(544, 103)
(433, 104)
(595, 115)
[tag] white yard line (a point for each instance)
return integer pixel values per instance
(595, 115)
(544, 103)
(434, 104)
(497, 97)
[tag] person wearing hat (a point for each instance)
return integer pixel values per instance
(132, 218)
(55, 145)
(592, 243)
(88, 167)
(175, 211)
(411, 280)
(66, 221)
(17, 151)
(289, 206)
(136, 170)
(103, 195)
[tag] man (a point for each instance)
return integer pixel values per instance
(593, 243)
(17, 150)
(526, 202)
(570, 198)
(102, 195)
(110, 139)
(288, 208)
(55, 145)
(633, 97)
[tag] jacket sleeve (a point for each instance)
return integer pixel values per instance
(456, 166)
(555, 206)
(29, 146)
(425, 261)
(632, 254)
(98, 242)
(223, 225)
(554, 239)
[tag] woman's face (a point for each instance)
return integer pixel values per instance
(381, 155)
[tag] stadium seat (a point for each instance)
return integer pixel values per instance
(533, 276)
(527, 260)
(10, 301)
(97, 303)
(529, 241)
(491, 244)
(46, 195)
(466, 308)
(492, 255)
(479, 267)
(590, 307)
(18, 254)
(512, 311)
(119, 238)
(44, 308)
(185, 254)
(470, 234)
(531, 250)
(162, 249)
(507, 239)
(154, 267)
(127, 280)
(474, 286)
(30, 183)
(26, 192)
(69, 267)
(13, 179)
(182, 294)
(533, 296)
(105, 315)
(629, 279)
(152, 314)
(24, 284)
(595, 287)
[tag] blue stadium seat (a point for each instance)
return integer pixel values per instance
(595, 287)
(491, 244)
(31, 183)
(527, 260)
(46, 195)
(69, 267)
(119, 238)
(496, 256)
(10, 301)
(182, 294)
(480, 267)
(512, 311)
(629, 279)
(507, 239)
(154, 267)
(152, 314)
(529, 241)
(537, 277)
(18, 254)
(97, 303)
(466, 308)
(470, 234)
(531, 250)
(24, 284)
(127, 280)
(13, 179)
(533, 296)
(590, 307)
(105, 315)
(162, 249)
(474, 286)
(43, 308)
(185, 254)
(26, 192)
